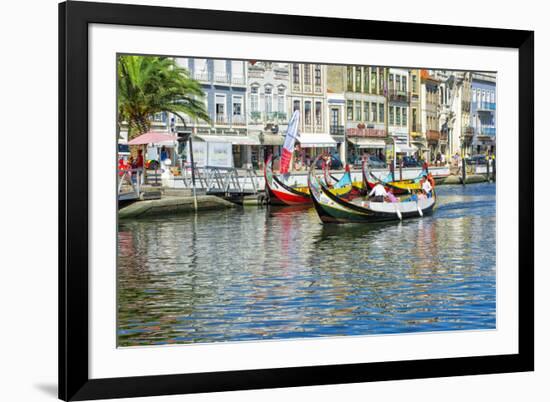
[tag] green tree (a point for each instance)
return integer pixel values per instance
(149, 85)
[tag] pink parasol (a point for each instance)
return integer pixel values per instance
(152, 138)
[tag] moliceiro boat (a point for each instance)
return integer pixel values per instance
(397, 186)
(334, 209)
(282, 192)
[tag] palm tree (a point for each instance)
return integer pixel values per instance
(149, 85)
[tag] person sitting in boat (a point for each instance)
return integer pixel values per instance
(390, 197)
(427, 186)
(378, 193)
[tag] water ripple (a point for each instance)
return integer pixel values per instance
(278, 273)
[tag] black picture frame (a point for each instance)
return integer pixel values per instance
(74, 18)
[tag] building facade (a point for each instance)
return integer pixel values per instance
(417, 138)
(308, 95)
(398, 106)
(336, 103)
(224, 83)
(430, 119)
(365, 110)
(483, 114)
(268, 92)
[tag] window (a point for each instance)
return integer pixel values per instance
(478, 98)
(391, 109)
(414, 88)
(474, 96)
(349, 110)
(404, 116)
(390, 84)
(492, 96)
(366, 80)
(373, 79)
(254, 99)
(159, 117)
(237, 71)
(404, 83)
(268, 100)
(307, 113)
(397, 116)
(295, 74)
(350, 78)
(373, 107)
(381, 113)
(318, 115)
(380, 80)
(182, 62)
(307, 74)
(358, 110)
(220, 108)
(358, 79)
(318, 75)
(414, 127)
(366, 113)
(281, 107)
(296, 105)
(441, 100)
(220, 73)
(201, 69)
(237, 105)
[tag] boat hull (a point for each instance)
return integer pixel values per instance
(332, 209)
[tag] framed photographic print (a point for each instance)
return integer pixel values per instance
(258, 200)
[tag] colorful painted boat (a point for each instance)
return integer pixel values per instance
(333, 209)
(281, 192)
(397, 186)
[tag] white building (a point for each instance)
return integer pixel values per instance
(268, 91)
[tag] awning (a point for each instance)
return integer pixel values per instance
(153, 137)
(233, 139)
(368, 142)
(272, 139)
(401, 148)
(317, 140)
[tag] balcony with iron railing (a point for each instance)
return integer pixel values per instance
(221, 119)
(396, 95)
(238, 120)
(237, 80)
(366, 132)
(467, 132)
(433, 135)
(201, 76)
(486, 131)
(270, 117)
(337, 130)
(486, 107)
(221, 78)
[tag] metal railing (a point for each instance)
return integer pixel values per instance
(337, 130)
(129, 184)
(238, 120)
(201, 76)
(221, 78)
(219, 180)
(486, 107)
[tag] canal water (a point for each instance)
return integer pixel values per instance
(277, 273)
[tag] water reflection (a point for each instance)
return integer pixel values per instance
(265, 273)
